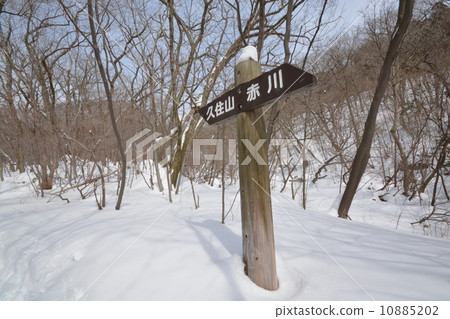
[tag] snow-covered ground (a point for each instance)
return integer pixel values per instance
(156, 250)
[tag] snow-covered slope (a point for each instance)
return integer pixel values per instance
(155, 250)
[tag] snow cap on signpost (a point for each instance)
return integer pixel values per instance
(248, 53)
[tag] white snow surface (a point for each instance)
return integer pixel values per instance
(248, 53)
(155, 250)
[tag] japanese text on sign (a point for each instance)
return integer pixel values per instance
(220, 108)
(267, 87)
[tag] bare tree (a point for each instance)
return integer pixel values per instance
(287, 38)
(32, 62)
(8, 94)
(108, 93)
(363, 152)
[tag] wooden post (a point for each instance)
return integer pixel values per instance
(256, 205)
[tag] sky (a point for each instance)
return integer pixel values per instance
(353, 9)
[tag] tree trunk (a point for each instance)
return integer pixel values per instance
(48, 173)
(363, 152)
(1, 169)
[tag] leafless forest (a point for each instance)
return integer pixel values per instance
(163, 59)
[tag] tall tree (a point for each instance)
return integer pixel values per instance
(109, 99)
(361, 159)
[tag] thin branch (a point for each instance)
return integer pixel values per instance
(319, 23)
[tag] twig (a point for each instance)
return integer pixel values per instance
(232, 204)
(89, 181)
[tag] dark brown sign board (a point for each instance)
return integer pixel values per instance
(266, 88)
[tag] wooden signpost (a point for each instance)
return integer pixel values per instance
(253, 90)
(257, 92)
